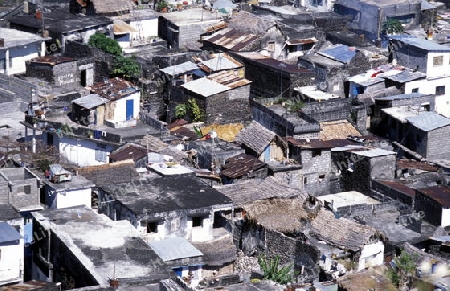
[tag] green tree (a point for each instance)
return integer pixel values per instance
(273, 271)
(106, 44)
(181, 110)
(195, 110)
(405, 267)
(393, 26)
(127, 67)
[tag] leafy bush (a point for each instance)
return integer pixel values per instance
(181, 110)
(106, 44)
(405, 266)
(393, 26)
(273, 271)
(127, 67)
(189, 109)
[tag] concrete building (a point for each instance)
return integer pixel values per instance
(426, 57)
(12, 251)
(58, 71)
(162, 207)
(434, 202)
(62, 26)
(17, 47)
(74, 191)
(368, 17)
(81, 248)
(223, 97)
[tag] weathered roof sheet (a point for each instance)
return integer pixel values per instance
(413, 164)
(52, 60)
(377, 152)
(401, 96)
(205, 87)
(256, 137)
(229, 79)
(428, 121)
(14, 38)
(273, 63)
(342, 233)
(425, 5)
(174, 248)
(121, 27)
(222, 62)
(231, 39)
(401, 113)
(90, 101)
(399, 187)
(341, 53)
(319, 144)
(128, 151)
(217, 252)
(406, 76)
(241, 165)
(180, 69)
(440, 194)
(114, 88)
(8, 233)
(251, 190)
(423, 44)
(111, 6)
(112, 173)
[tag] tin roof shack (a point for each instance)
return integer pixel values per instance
(11, 247)
(281, 121)
(395, 190)
(262, 143)
(17, 47)
(58, 71)
(223, 97)
(357, 166)
(272, 78)
(160, 207)
(62, 26)
(426, 135)
(429, 58)
(241, 168)
(65, 193)
(88, 249)
(231, 40)
(115, 103)
(130, 151)
(182, 29)
(20, 188)
(434, 202)
(368, 17)
(184, 258)
(333, 65)
(315, 158)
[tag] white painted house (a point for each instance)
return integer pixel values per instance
(11, 255)
(67, 192)
(17, 47)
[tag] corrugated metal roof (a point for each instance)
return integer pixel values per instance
(425, 5)
(421, 43)
(401, 96)
(406, 76)
(121, 27)
(428, 121)
(90, 101)
(399, 187)
(241, 165)
(221, 62)
(205, 87)
(180, 69)
(231, 39)
(8, 233)
(341, 53)
(52, 60)
(377, 152)
(174, 248)
(301, 41)
(401, 113)
(129, 151)
(229, 79)
(438, 193)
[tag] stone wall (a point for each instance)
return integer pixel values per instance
(409, 56)
(367, 209)
(438, 146)
(329, 110)
(189, 35)
(61, 75)
(392, 193)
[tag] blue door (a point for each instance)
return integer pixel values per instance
(178, 271)
(267, 154)
(129, 109)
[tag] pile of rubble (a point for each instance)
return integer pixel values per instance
(246, 265)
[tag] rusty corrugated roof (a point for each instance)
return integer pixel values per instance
(413, 164)
(241, 165)
(217, 27)
(229, 79)
(52, 60)
(440, 194)
(231, 39)
(129, 151)
(399, 187)
(319, 144)
(114, 88)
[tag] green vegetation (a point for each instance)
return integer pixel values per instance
(402, 273)
(294, 105)
(127, 67)
(189, 109)
(101, 41)
(273, 271)
(393, 26)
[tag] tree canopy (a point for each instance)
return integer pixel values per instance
(106, 44)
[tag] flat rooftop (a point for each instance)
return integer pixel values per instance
(15, 38)
(103, 246)
(193, 15)
(314, 93)
(343, 199)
